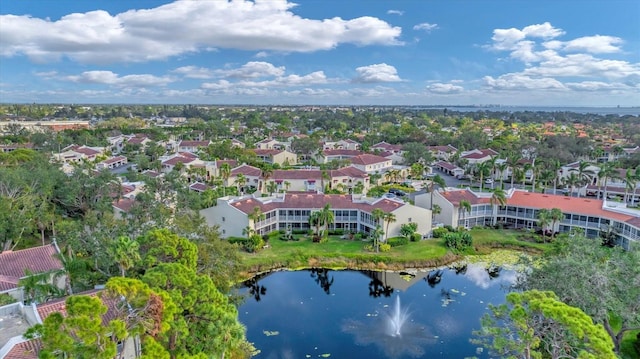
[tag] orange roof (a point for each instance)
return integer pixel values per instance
(577, 205)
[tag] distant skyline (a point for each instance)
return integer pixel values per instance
(356, 52)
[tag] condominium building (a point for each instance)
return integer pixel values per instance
(352, 213)
(593, 216)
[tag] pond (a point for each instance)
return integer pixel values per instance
(365, 314)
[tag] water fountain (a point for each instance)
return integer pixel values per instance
(397, 319)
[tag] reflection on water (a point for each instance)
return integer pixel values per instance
(412, 342)
(351, 314)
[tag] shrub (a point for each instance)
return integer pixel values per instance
(449, 228)
(397, 241)
(385, 247)
(440, 232)
(458, 241)
(336, 232)
(358, 236)
(6, 299)
(300, 231)
(416, 237)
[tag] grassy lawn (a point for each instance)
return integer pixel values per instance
(344, 253)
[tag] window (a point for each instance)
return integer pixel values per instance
(409, 219)
(223, 219)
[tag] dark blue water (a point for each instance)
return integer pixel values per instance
(345, 314)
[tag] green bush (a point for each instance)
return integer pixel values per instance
(449, 228)
(440, 232)
(458, 241)
(384, 247)
(336, 232)
(397, 241)
(6, 299)
(416, 237)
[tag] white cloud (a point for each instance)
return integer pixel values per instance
(516, 81)
(442, 88)
(377, 73)
(253, 69)
(182, 27)
(584, 65)
(425, 26)
(395, 12)
(508, 39)
(111, 78)
(194, 72)
(598, 44)
(261, 54)
(314, 78)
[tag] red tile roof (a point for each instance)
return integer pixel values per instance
(351, 153)
(25, 350)
(297, 175)
(114, 160)
(456, 196)
(247, 171)
(311, 200)
(59, 306)
(387, 146)
(198, 186)
(124, 204)
(175, 160)
(194, 143)
(368, 159)
(37, 260)
(447, 165)
(349, 171)
(577, 205)
(231, 163)
(266, 152)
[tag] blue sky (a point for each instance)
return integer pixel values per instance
(422, 52)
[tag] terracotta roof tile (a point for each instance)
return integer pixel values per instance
(37, 260)
(25, 350)
(194, 143)
(368, 159)
(59, 305)
(247, 171)
(124, 204)
(311, 200)
(352, 153)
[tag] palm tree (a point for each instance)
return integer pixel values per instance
(502, 167)
(388, 219)
(437, 180)
(287, 184)
(416, 170)
(630, 181)
(326, 218)
(465, 206)
(556, 215)
(315, 221)
(125, 252)
(544, 219)
(483, 170)
(498, 196)
(512, 163)
(225, 172)
(376, 234)
(584, 173)
(525, 167)
(607, 171)
(435, 210)
(241, 180)
(256, 215)
(572, 180)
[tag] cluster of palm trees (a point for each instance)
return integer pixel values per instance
(548, 217)
(322, 218)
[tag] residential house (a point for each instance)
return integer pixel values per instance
(112, 162)
(281, 157)
(77, 154)
(192, 146)
(475, 157)
(347, 144)
(19, 347)
(371, 163)
(326, 156)
(352, 213)
(442, 153)
(251, 175)
(271, 144)
(449, 168)
(15, 264)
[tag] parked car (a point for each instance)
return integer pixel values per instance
(397, 192)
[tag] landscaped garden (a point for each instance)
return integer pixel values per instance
(338, 251)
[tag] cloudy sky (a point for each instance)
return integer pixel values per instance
(418, 52)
